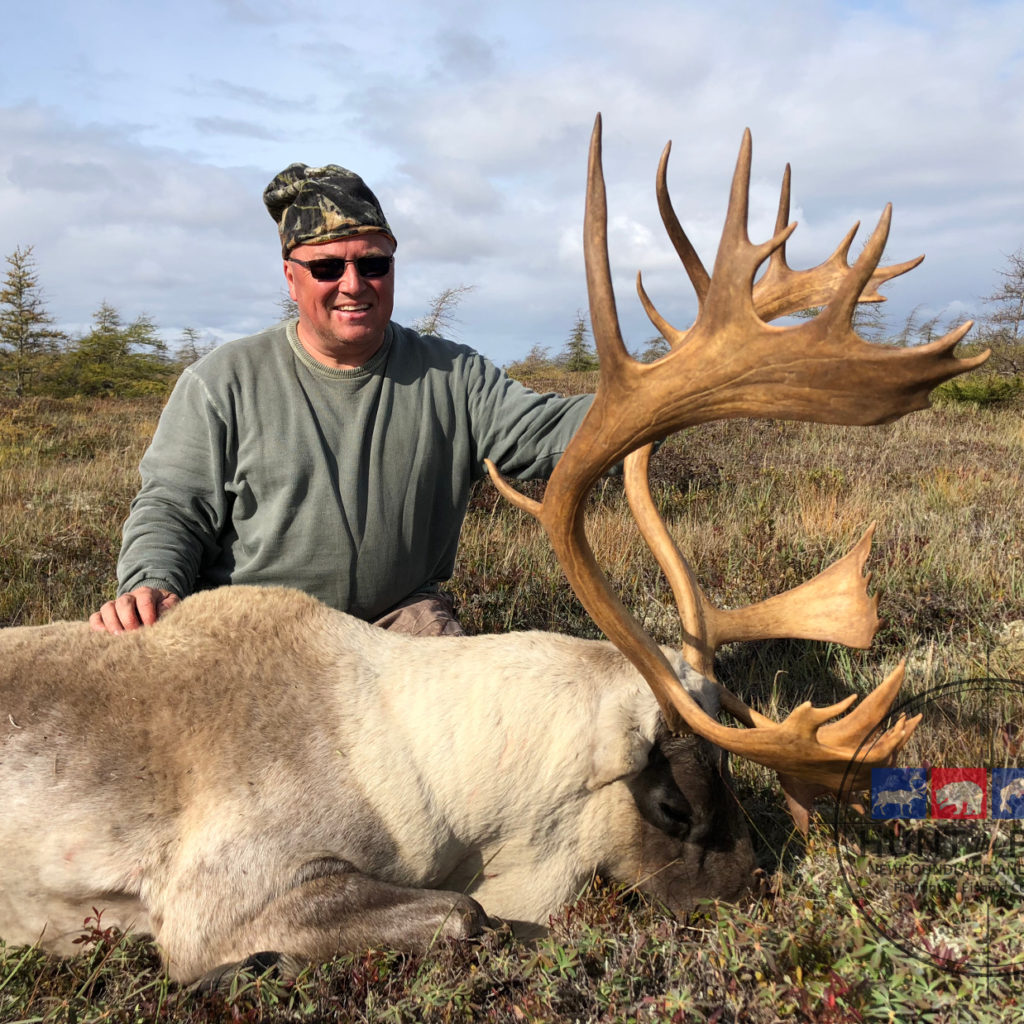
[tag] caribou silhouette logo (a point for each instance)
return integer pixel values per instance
(899, 793)
(955, 793)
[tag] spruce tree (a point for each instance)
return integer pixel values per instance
(28, 339)
(1002, 327)
(440, 317)
(115, 358)
(578, 353)
(191, 347)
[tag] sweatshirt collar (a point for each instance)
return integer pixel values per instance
(375, 362)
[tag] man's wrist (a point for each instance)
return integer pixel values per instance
(154, 583)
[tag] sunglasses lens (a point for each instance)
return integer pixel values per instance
(373, 266)
(326, 270)
(333, 269)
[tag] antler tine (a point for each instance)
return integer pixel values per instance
(734, 233)
(604, 320)
(733, 364)
(852, 729)
(782, 290)
(847, 291)
(684, 250)
(698, 276)
(692, 263)
(782, 217)
(672, 335)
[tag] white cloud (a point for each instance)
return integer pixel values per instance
(136, 167)
(231, 126)
(147, 230)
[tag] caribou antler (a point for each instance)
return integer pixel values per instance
(732, 363)
(780, 290)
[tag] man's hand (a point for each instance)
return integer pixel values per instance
(139, 607)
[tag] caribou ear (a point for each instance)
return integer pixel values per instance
(627, 726)
(630, 722)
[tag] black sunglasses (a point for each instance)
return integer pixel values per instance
(333, 267)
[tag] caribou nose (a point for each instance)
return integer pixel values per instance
(759, 882)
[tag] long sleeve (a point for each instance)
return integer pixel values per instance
(178, 517)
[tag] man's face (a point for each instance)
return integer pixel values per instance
(342, 323)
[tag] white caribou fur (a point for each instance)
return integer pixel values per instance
(176, 775)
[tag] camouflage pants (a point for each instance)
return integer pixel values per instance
(430, 614)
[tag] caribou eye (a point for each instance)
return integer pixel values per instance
(676, 819)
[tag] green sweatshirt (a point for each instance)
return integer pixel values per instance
(268, 467)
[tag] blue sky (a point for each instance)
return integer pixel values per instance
(138, 139)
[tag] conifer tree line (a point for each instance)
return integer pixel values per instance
(113, 358)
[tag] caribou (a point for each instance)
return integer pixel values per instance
(257, 772)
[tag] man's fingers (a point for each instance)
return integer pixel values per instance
(137, 608)
(108, 618)
(146, 607)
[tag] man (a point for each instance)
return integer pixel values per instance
(335, 453)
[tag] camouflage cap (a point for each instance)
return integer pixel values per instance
(320, 204)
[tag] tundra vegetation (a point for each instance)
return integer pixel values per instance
(759, 506)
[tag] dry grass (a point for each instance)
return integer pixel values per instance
(758, 507)
(68, 470)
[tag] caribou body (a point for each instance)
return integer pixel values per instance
(260, 772)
